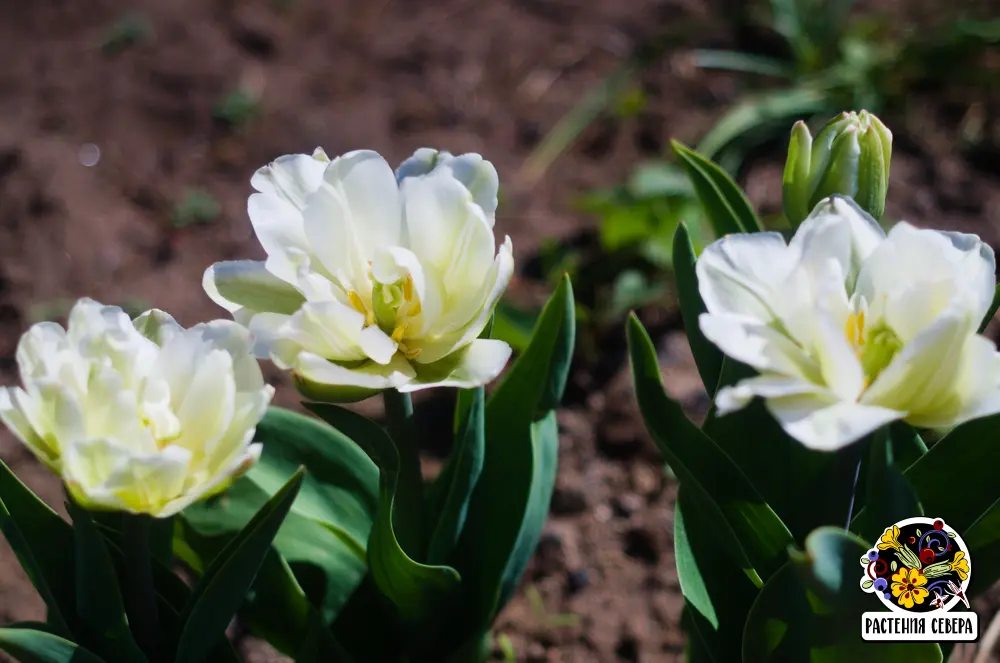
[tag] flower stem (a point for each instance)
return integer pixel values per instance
(139, 591)
(409, 503)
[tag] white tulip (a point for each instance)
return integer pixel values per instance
(851, 329)
(373, 280)
(145, 417)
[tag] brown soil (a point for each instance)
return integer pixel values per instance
(391, 75)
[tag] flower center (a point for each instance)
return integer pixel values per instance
(875, 345)
(393, 304)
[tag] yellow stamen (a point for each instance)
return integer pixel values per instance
(409, 353)
(415, 309)
(358, 304)
(397, 333)
(854, 328)
(408, 288)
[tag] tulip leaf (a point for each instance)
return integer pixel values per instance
(994, 305)
(707, 357)
(983, 540)
(413, 587)
(43, 543)
(453, 487)
(956, 479)
(781, 469)
(511, 499)
(223, 587)
(29, 645)
(326, 533)
(717, 592)
(829, 567)
(35, 572)
(783, 625)
(725, 204)
(889, 496)
(98, 596)
(281, 613)
(715, 481)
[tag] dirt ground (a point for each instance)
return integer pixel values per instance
(392, 75)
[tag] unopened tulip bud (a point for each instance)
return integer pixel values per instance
(849, 156)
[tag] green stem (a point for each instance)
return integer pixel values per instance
(409, 502)
(139, 590)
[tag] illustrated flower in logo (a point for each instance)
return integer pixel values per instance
(908, 586)
(917, 565)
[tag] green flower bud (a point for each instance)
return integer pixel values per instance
(849, 156)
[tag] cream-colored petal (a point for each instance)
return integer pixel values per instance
(248, 284)
(759, 346)
(291, 177)
(739, 274)
(825, 424)
(377, 345)
(920, 379)
(368, 375)
(477, 364)
(158, 326)
(18, 423)
(771, 385)
(370, 195)
(280, 230)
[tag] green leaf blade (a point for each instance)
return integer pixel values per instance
(224, 585)
(724, 202)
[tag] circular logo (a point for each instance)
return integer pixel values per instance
(918, 565)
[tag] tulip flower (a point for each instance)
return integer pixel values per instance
(850, 329)
(373, 280)
(850, 156)
(144, 417)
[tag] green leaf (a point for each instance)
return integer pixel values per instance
(413, 587)
(724, 202)
(43, 543)
(889, 496)
(983, 540)
(717, 483)
(956, 479)
(33, 646)
(510, 501)
(783, 626)
(994, 305)
(281, 613)
(98, 596)
(781, 469)
(326, 533)
(224, 585)
(707, 357)
(457, 482)
(829, 567)
(717, 592)
(23, 551)
(742, 62)
(760, 115)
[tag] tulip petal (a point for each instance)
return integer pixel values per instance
(738, 274)
(248, 284)
(476, 174)
(280, 230)
(12, 416)
(367, 375)
(738, 396)
(329, 329)
(291, 177)
(978, 380)
(825, 424)
(478, 363)
(208, 404)
(368, 188)
(446, 230)
(462, 326)
(158, 326)
(759, 346)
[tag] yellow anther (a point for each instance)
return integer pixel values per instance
(415, 309)
(408, 288)
(854, 328)
(397, 333)
(357, 302)
(359, 305)
(409, 353)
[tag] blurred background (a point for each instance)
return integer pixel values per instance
(129, 132)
